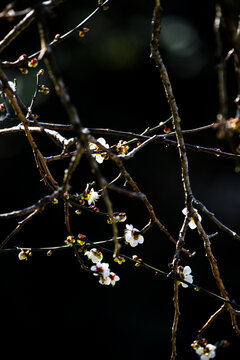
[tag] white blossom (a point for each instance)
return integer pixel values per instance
(105, 276)
(132, 236)
(93, 197)
(192, 223)
(113, 278)
(95, 255)
(101, 270)
(99, 157)
(206, 352)
(184, 273)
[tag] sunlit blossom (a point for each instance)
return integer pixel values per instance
(99, 157)
(95, 255)
(93, 196)
(206, 352)
(101, 270)
(192, 223)
(113, 278)
(133, 236)
(184, 274)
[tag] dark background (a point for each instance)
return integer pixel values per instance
(114, 84)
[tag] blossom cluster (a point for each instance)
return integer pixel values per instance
(233, 125)
(101, 269)
(44, 89)
(71, 240)
(122, 147)
(204, 350)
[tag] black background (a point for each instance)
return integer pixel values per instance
(114, 84)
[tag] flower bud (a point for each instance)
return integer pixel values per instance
(24, 71)
(56, 37)
(40, 72)
(166, 130)
(2, 107)
(33, 63)
(22, 57)
(83, 32)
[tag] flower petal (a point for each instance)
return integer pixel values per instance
(187, 270)
(192, 224)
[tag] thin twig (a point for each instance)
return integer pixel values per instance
(216, 273)
(210, 321)
(19, 227)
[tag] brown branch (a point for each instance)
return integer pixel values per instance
(40, 206)
(19, 227)
(221, 70)
(118, 161)
(215, 220)
(232, 34)
(216, 273)
(155, 55)
(210, 321)
(39, 159)
(22, 25)
(175, 320)
(26, 22)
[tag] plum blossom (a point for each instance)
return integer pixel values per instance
(133, 236)
(95, 255)
(113, 278)
(192, 223)
(93, 197)
(99, 157)
(101, 269)
(184, 273)
(105, 276)
(206, 352)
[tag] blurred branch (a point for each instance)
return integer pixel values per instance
(232, 34)
(27, 21)
(23, 24)
(39, 206)
(221, 69)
